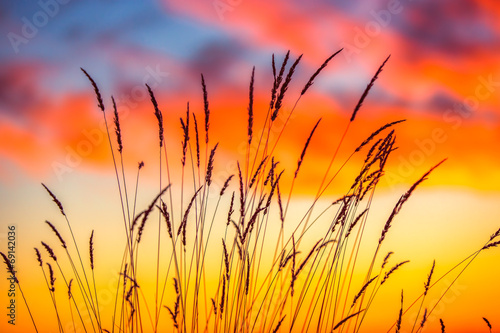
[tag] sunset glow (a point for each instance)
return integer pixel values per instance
(442, 77)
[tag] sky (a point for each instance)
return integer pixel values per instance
(443, 77)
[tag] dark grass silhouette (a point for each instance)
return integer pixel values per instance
(260, 288)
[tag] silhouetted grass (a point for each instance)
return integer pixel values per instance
(258, 288)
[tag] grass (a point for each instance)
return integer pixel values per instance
(265, 281)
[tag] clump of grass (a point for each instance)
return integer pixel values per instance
(291, 288)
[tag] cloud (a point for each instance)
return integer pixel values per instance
(439, 51)
(19, 93)
(451, 28)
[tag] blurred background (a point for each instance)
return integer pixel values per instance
(443, 77)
